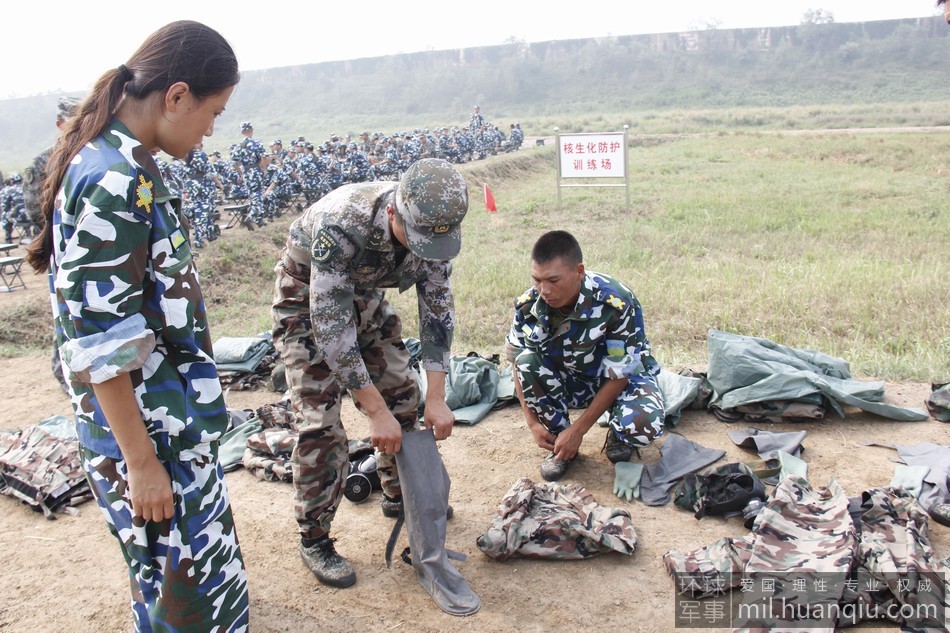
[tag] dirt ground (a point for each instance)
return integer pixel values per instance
(68, 574)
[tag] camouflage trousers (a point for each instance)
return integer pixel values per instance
(200, 214)
(636, 417)
(254, 181)
(10, 219)
(187, 572)
(320, 460)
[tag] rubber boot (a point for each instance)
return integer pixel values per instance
(425, 496)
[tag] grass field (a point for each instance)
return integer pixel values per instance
(839, 243)
(835, 242)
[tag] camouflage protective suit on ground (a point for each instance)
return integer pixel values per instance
(555, 521)
(42, 469)
(126, 300)
(808, 535)
(335, 330)
(563, 365)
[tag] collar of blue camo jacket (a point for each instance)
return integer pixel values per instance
(141, 157)
(582, 307)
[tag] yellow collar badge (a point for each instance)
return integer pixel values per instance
(144, 193)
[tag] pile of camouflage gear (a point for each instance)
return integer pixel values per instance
(40, 466)
(268, 451)
(559, 521)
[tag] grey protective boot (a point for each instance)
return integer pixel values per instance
(425, 497)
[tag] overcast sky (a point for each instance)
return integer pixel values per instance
(55, 46)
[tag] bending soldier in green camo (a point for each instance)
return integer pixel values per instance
(577, 340)
(335, 330)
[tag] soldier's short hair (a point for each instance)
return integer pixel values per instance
(554, 244)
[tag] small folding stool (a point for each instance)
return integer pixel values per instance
(10, 273)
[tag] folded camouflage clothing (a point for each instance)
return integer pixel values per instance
(268, 454)
(556, 521)
(40, 466)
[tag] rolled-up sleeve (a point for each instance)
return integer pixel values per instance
(514, 341)
(436, 316)
(100, 279)
(626, 344)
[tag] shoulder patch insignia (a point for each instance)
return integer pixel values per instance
(616, 302)
(143, 193)
(375, 239)
(177, 238)
(615, 347)
(323, 246)
(524, 298)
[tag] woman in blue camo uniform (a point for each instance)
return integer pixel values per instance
(133, 332)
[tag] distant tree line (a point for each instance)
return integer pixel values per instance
(817, 62)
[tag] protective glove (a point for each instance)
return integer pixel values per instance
(627, 480)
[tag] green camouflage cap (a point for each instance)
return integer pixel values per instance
(432, 200)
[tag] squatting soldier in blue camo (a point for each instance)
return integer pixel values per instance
(310, 170)
(331, 167)
(577, 340)
(356, 166)
(465, 143)
(411, 151)
(224, 172)
(251, 156)
(335, 330)
(133, 330)
(387, 167)
(278, 188)
(446, 146)
(201, 189)
(12, 208)
(515, 138)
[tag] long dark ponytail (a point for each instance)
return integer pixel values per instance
(184, 51)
